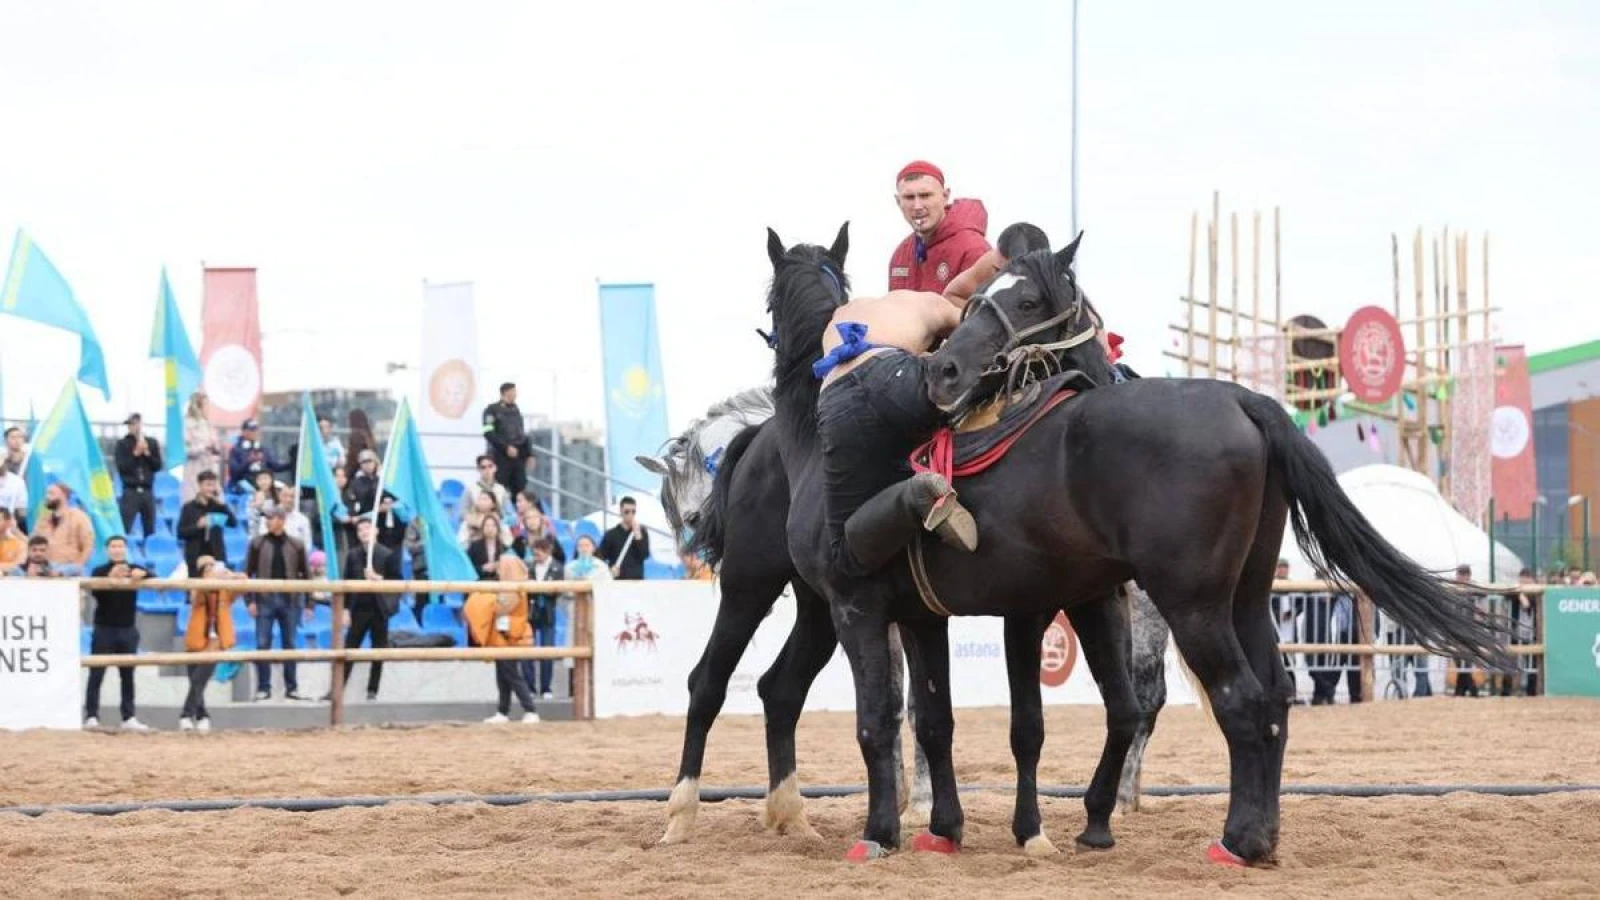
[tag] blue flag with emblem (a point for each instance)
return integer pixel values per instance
(65, 448)
(33, 289)
(312, 468)
(169, 342)
(406, 477)
(636, 400)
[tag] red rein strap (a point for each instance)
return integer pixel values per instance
(938, 454)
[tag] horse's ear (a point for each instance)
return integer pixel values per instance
(841, 245)
(653, 465)
(775, 248)
(1069, 253)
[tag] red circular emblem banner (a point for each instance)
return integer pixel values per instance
(1372, 354)
(1058, 652)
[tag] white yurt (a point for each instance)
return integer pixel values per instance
(1410, 513)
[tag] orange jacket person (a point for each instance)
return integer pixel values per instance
(500, 619)
(210, 629)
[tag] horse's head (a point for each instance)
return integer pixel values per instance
(688, 463)
(1033, 312)
(808, 284)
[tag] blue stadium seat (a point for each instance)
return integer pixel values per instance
(403, 619)
(312, 637)
(160, 544)
(151, 601)
(563, 528)
(321, 617)
(85, 639)
(235, 542)
(439, 617)
(585, 527)
(454, 601)
(242, 620)
(655, 570)
(166, 485)
(162, 565)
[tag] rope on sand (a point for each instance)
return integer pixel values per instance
(715, 795)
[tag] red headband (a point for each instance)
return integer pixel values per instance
(920, 168)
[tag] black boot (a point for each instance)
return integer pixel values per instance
(886, 524)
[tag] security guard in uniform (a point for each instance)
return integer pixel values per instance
(508, 440)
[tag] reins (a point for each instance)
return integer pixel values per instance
(1026, 364)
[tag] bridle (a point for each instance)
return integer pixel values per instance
(835, 289)
(1021, 362)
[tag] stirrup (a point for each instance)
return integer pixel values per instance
(952, 522)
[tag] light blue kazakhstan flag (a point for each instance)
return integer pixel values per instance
(406, 476)
(636, 400)
(312, 468)
(64, 446)
(169, 342)
(35, 290)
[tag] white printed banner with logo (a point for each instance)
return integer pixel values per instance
(39, 654)
(650, 634)
(452, 395)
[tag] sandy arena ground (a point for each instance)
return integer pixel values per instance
(1463, 845)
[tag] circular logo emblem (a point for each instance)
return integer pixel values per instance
(636, 382)
(1508, 432)
(1058, 652)
(451, 388)
(232, 379)
(1372, 354)
(943, 272)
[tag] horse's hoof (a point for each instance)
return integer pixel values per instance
(1222, 856)
(1038, 847)
(678, 832)
(928, 842)
(866, 850)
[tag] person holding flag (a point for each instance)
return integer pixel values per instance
(312, 470)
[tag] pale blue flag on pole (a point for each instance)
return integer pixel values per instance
(636, 400)
(33, 289)
(406, 476)
(64, 446)
(169, 342)
(311, 467)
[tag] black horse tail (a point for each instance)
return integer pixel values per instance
(1337, 539)
(711, 530)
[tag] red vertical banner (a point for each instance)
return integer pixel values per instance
(1511, 435)
(230, 352)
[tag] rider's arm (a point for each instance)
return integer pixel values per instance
(942, 317)
(963, 286)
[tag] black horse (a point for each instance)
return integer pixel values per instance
(1184, 485)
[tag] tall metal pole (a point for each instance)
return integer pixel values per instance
(1074, 120)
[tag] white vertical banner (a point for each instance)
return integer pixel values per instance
(649, 634)
(450, 400)
(39, 664)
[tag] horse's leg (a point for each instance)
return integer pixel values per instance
(1024, 635)
(916, 799)
(1149, 668)
(897, 676)
(929, 661)
(783, 689)
(862, 622)
(744, 604)
(1102, 627)
(1201, 616)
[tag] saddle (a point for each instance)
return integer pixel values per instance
(983, 436)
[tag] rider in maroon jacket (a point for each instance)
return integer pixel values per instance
(946, 239)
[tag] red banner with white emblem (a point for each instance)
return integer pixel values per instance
(230, 353)
(1511, 435)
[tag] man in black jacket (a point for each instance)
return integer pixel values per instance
(202, 520)
(626, 545)
(369, 613)
(543, 566)
(277, 556)
(507, 437)
(115, 632)
(138, 461)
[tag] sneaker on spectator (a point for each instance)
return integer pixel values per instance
(372, 696)
(547, 696)
(132, 723)
(263, 695)
(203, 725)
(292, 695)
(530, 718)
(185, 724)
(91, 722)
(496, 719)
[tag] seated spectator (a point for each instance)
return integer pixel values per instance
(486, 550)
(472, 523)
(249, 456)
(210, 629)
(201, 523)
(534, 527)
(13, 543)
(486, 484)
(263, 494)
(37, 564)
(68, 531)
(501, 620)
(115, 632)
(587, 566)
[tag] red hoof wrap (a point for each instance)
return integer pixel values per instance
(1222, 856)
(866, 850)
(928, 842)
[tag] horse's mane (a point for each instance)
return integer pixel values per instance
(750, 406)
(802, 300)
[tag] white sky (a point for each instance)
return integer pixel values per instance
(352, 150)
